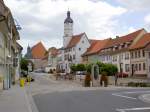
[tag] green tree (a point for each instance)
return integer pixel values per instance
(100, 65)
(88, 67)
(80, 67)
(24, 64)
(73, 68)
(110, 69)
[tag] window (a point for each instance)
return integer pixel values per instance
(114, 58)
(107, 58)
(143, 52)
(79, 49)
(140, 67)
(126, 56)
(74, 57)
(116, 48)
(131, 54)
(123, 45)
(83, 41)
(144, 67)
(135, 54)
(139, 54)
(127, 67)
(136, 67)
(121, 56)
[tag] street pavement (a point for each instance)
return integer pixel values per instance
(66, 96)
(46, 94)
(89, 101)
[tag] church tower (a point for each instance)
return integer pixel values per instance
(28, 55)
(68, 30)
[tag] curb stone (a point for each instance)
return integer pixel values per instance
(32, 104)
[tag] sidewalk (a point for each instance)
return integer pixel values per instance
(14, 100)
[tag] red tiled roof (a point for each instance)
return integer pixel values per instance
(74, 40)
(123, 39)
(96, 46)
(38, 51)
(141, 43)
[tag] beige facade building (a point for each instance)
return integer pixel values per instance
(8, 47)
(140, 56)
(130, 53)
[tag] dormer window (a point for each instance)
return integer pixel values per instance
(123, 45)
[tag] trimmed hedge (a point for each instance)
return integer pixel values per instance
(138, 84)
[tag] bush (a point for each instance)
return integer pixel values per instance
(87, 80)
(138, 84)
(104, 79)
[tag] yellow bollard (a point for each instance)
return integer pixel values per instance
(22, 82)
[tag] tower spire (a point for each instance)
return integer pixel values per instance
(68, 29)
(68, 19)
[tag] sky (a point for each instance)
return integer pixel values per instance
(43, 20)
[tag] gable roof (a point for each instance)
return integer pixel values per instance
(127, 38)
(54, 51)
(96, 46)
(74, 40)
(38, 51)
(142, 42)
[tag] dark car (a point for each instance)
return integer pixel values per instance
(122, 75)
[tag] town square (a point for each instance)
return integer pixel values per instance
(74, 56)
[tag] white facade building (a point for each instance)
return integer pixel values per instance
(73, 46)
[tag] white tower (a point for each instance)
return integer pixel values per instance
(68, 29)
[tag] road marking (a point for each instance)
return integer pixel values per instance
(124, 96)
(133, 109)
(136, 92)
(133, 92)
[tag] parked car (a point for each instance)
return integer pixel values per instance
(122, 75)
(39, 71)
(48, 68)
(81, 73)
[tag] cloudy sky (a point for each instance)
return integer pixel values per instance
(42, 20)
